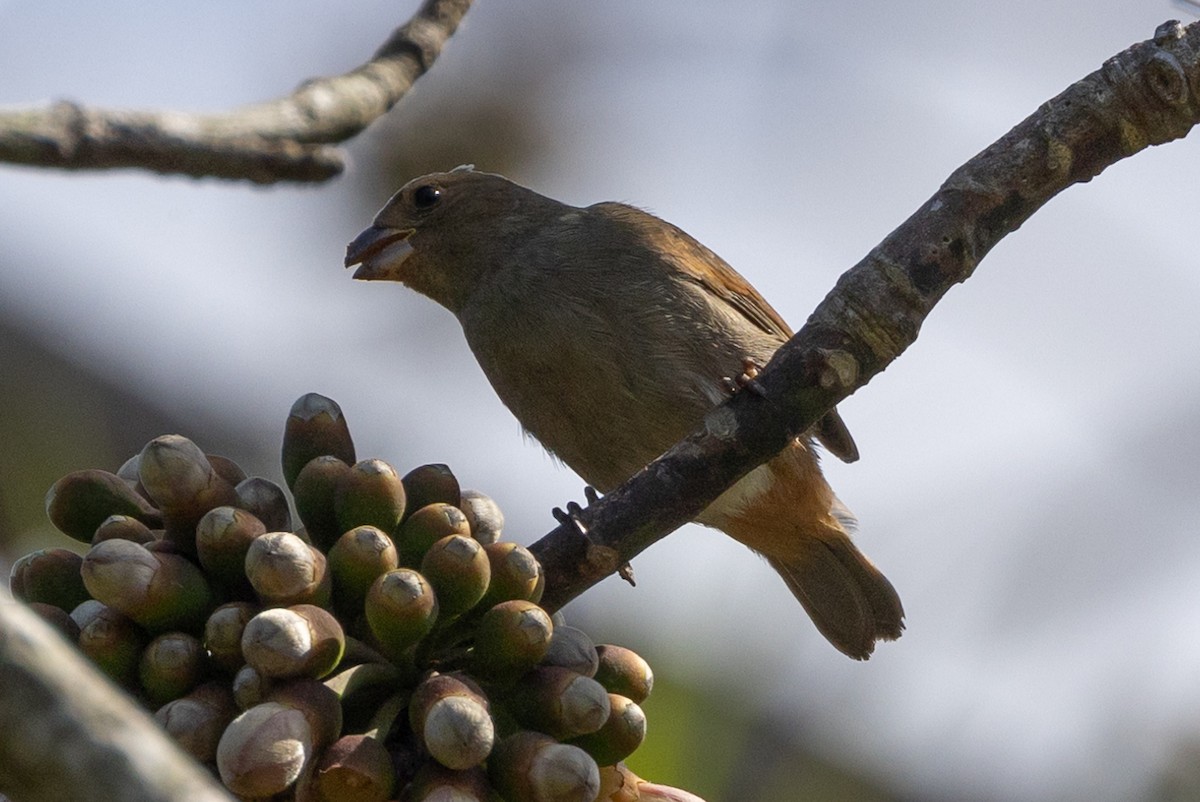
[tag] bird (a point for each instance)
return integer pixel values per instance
(609, 333)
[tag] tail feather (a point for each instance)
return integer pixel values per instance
(849, 600)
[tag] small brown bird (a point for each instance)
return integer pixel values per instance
(609, 333)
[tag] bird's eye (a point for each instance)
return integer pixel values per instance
(425, 196)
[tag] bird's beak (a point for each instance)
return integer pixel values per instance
(379, 253)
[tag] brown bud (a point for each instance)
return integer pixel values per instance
(534, 767)
(226, 468)
(267, 501)
(58, 618)
(623, 671)
(356, 768)
(315, 427)
(249, 687)
(223, 536)
(572, 648)
(264, 750)
(79, 502)
(449, 715)
(621, 734)
(559, 702)
(49, 576)
(123, 527)
(320, 705)
(436, 783)
(197, 720)
(431, 484)
(113, 642)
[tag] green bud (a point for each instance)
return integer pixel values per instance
(621, 734)
(356, 768)
(314, 491)
(357, 559)
(401, 609)
(427, 526)
(173, 664)
(315, 427)
(623, 671)
(559, 702)
(156, 589)
(484, 516)
(267, 501)
(197, 720)
(369, 494)
(79, 502)
(223, 634)
(511, 638)
(515, 573)
(113, 642)
(298, 641)
(50, 576)
(283, 570)
(533, 767)
(459, 570)
(264, 750)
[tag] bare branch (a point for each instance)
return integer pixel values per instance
(66, 733)
(280, 140)
(1144, 96)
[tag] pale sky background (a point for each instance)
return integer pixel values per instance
(1030, 468)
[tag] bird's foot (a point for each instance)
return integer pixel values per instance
(747, 380)
(600, 557)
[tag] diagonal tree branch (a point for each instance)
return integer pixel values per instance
(287, 139)
(1147, 95)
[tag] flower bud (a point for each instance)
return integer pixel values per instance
(430, 484)
(534, 767)
(515, 573)
(298, 641)
(321, 707)
(510, 639)
(314, 491)
(401, 609)
(359, 557)
(266, 501)
(223, 634)
(572, 648)
(113, 642)
(559, 702)
(623, 671)
(283, 570)
(459, 570)
(79, 502)
(621, 734)
(356, 768)
(449, 715)
(182, 483)
(369, 494)
(434, 782)
(427, 526)
(223, 536)
(197, 720)
(483, 515)
(123, 527)
(315, 427)
(264, 750)
(158, 590)
(173, 664)
(49, 576)
(58, 618)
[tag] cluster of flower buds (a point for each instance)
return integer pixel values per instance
(390, 647)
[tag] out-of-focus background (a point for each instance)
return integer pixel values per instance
(1030, 468)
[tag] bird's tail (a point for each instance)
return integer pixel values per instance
(850, 601)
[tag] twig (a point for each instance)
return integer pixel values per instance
(280, 140)
(1144, 96)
